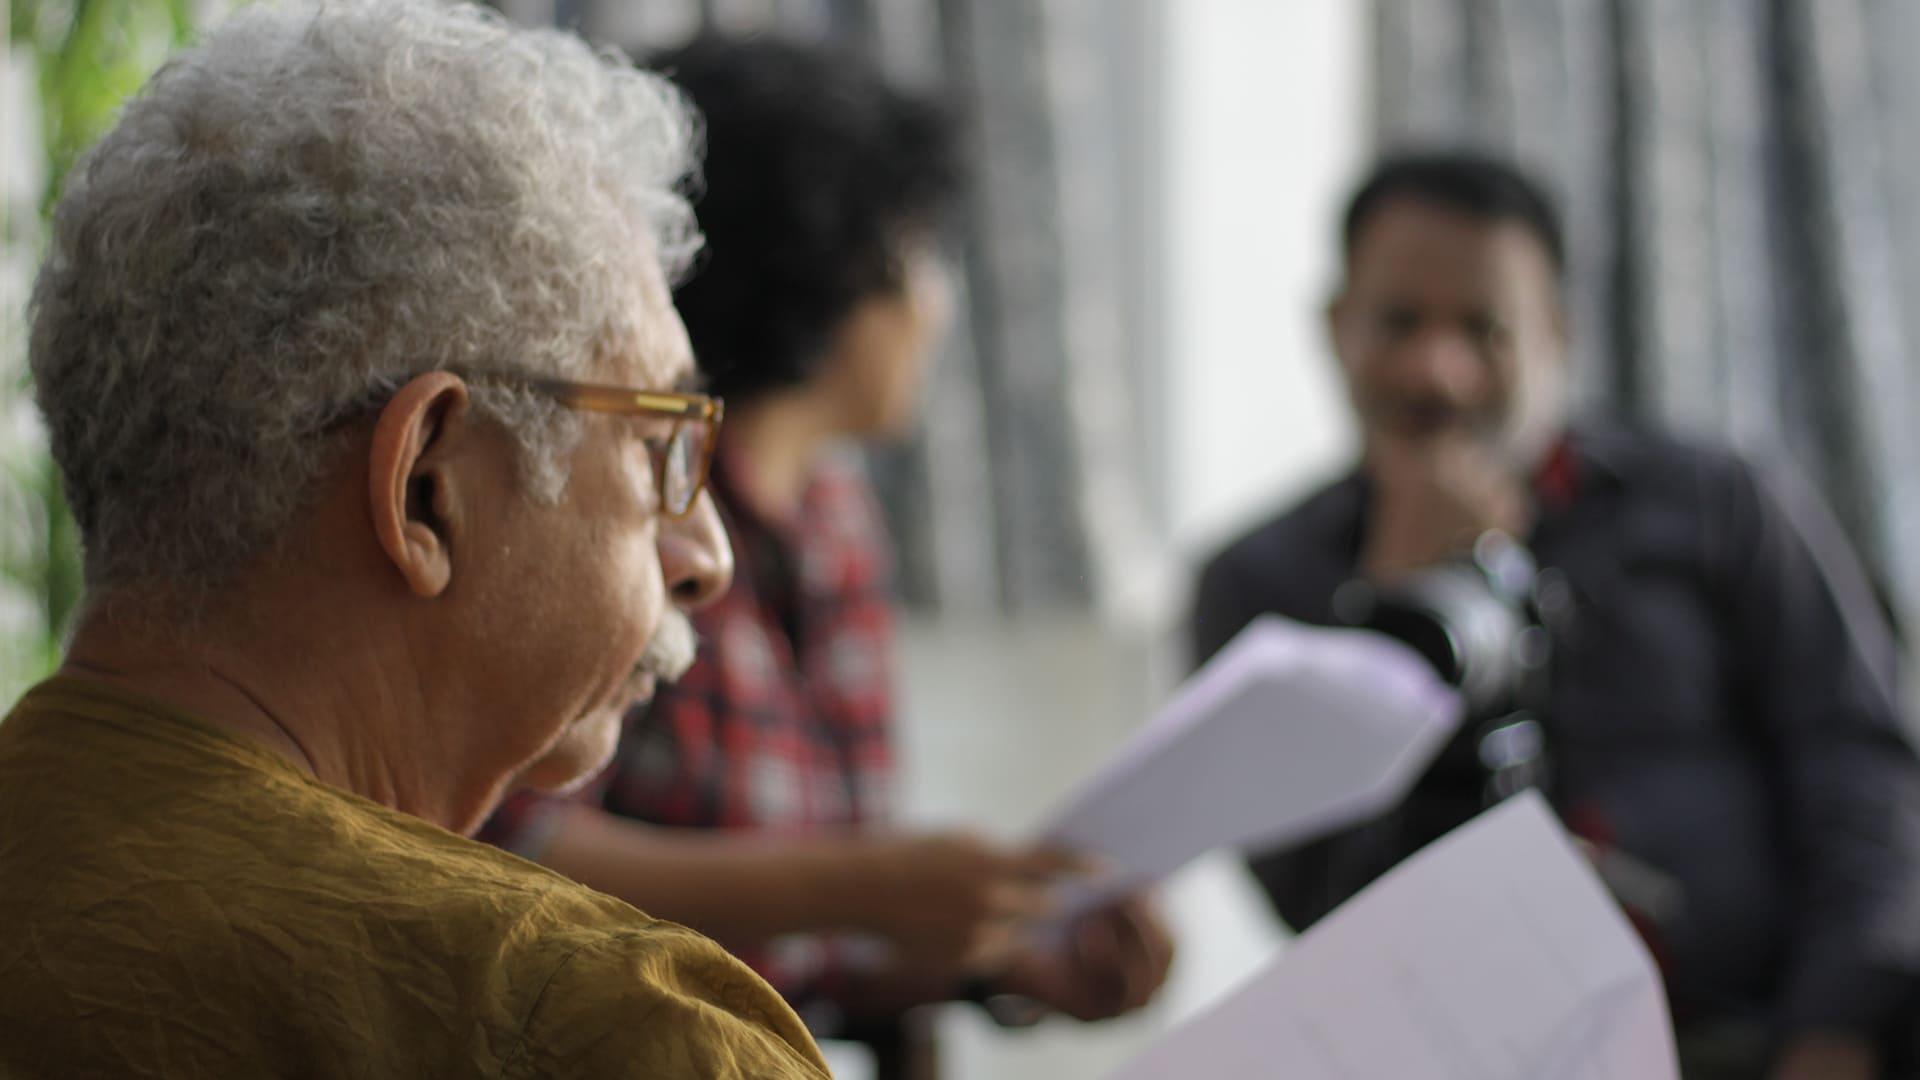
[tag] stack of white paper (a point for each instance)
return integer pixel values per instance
(1290, 731)
(1494, 954)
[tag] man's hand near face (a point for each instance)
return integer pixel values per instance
(1432, 497)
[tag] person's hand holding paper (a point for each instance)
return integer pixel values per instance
(1289, 731)
(1108, 962)
(952, 902)
(951, 911)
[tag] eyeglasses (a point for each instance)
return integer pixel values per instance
(681, 461)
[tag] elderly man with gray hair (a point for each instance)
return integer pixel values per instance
(356, 348)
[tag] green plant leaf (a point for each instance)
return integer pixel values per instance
(90, 55)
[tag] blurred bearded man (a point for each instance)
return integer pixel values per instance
(1714, 713)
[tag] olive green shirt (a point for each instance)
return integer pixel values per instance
(178, 902)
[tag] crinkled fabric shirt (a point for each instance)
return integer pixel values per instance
(175, 902)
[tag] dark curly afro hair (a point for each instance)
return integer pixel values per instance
(816, 169)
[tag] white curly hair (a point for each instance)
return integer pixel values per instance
(319, 201)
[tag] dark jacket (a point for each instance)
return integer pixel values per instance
(1714, 711)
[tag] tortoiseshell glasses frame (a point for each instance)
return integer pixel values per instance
(682, 462)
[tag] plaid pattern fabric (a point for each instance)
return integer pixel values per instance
(784, 722)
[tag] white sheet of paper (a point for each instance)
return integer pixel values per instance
(1493, 954)
(1290, 731)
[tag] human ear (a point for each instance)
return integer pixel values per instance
(412, 495)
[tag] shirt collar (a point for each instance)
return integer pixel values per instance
(1557, 482)
(1598, 454)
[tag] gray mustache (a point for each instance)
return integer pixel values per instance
(672, 649)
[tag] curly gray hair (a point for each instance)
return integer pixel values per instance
(319, 201)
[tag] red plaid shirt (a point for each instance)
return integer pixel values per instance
(784, 723)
